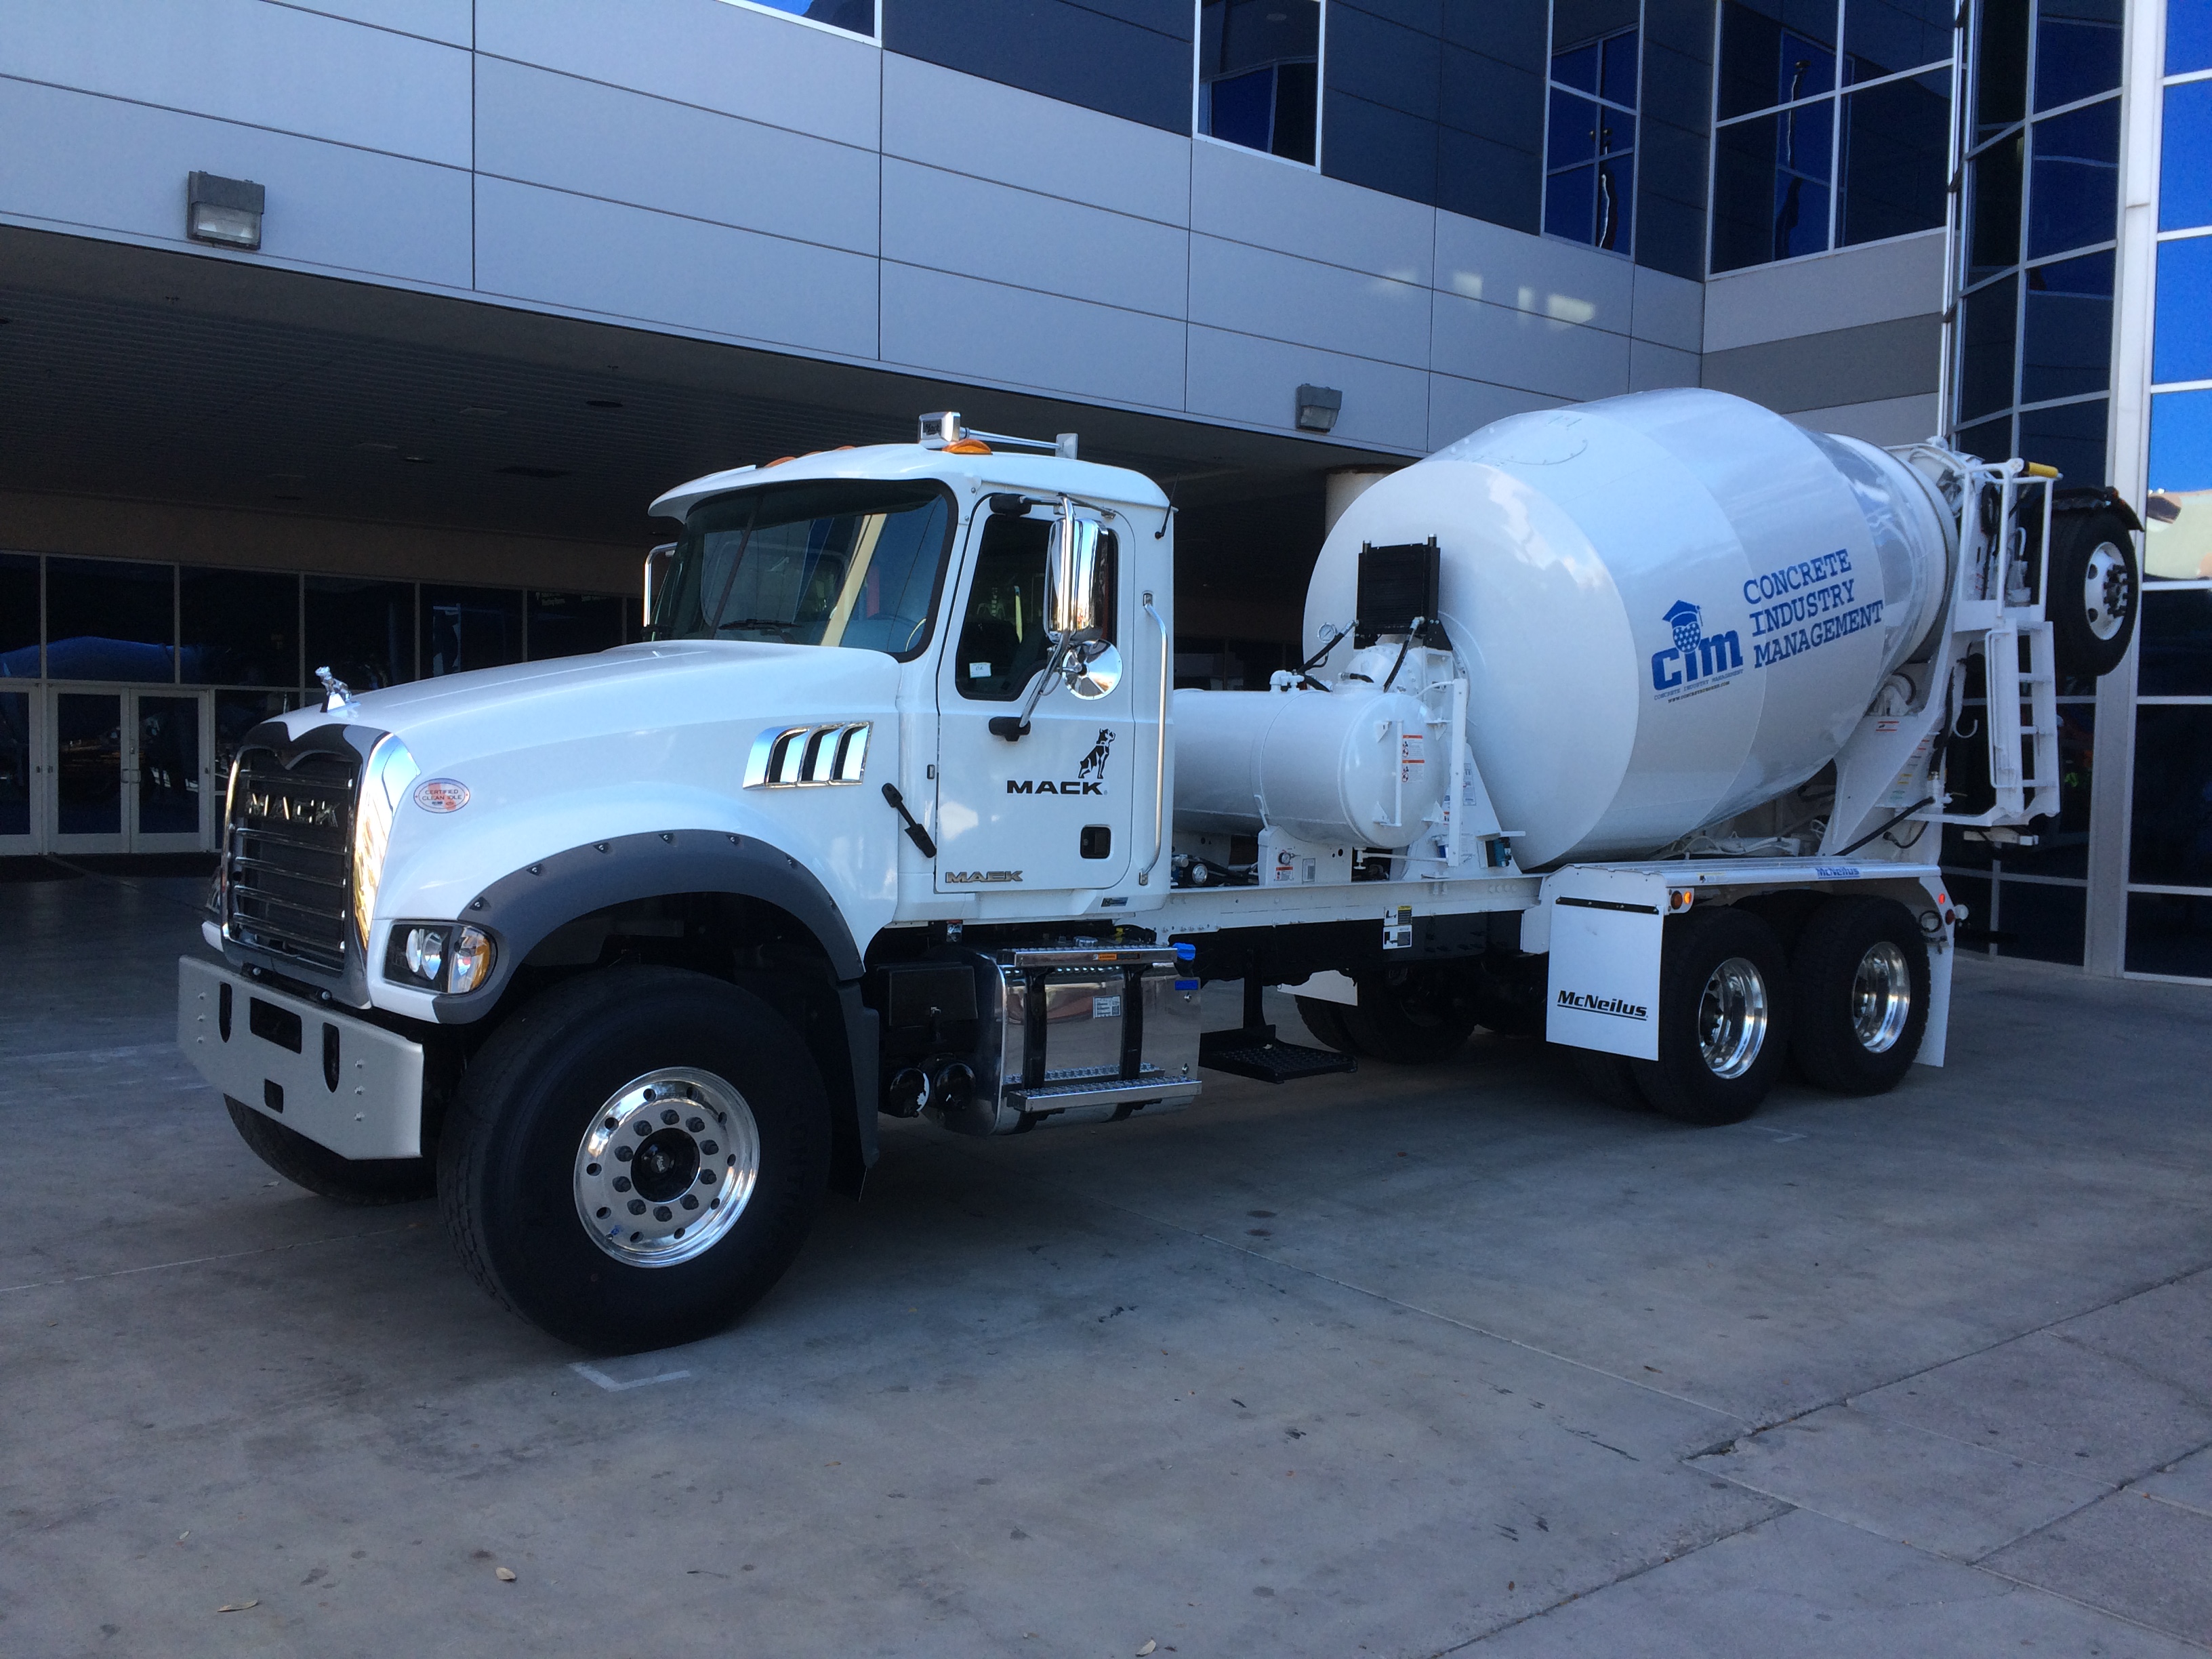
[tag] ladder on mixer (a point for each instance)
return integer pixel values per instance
(2035, 793)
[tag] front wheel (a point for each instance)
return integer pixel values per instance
(2094, 582)
(636, 1157)
(1412, 1016)
(1723, 1018)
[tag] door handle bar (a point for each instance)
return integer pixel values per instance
(1160, 751)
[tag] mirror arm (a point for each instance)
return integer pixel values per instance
(1014, 727)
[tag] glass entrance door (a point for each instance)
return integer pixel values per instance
(129, 770)
(18, 770)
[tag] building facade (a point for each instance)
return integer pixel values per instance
(356, 332)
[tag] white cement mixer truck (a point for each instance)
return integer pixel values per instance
(1630, 727)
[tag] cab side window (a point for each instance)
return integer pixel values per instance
(1002, 642)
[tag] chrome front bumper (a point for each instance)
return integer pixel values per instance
(346, 1085)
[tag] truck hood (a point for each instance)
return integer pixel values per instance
(634, 690)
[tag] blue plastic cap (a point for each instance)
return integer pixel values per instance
(1186, 953)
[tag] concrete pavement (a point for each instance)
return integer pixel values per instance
(1405, 1363)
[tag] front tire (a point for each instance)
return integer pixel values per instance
(1862, 983)
(1412, 1016)
(714, 1100)
(365, 1182)
(1723, 1018)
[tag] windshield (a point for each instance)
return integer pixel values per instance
(834, 562)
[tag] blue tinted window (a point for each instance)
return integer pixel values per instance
(1773, 51)
(2184, 176)
(2078, 51)
(1574, 128)
(1620, 79)
(109, 620)
(2177, 639)
(2188, 36)
(2066, 345)
(1771, 186)
(1258, 74)
(2000, 65)
(1896, 150)
(2171, 838)
(1881, 37)
(857, 16)
(2070, 437)
(1988, 317)
(1993, 182)
(1577, 69)
(2181, 339)
(1571, 202)
(2170, 933)
(1991, 439)
(2073, 192)
(2181, 441)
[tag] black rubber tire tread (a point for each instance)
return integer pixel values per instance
(1324, 1021)
(364, 1181)
(507, 1157)
(1417, 1015)
(1678, 1084)
(2074, 537)
(1822, 968)
(1611, 1078)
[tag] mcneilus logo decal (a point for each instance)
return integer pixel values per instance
(1583, 1002)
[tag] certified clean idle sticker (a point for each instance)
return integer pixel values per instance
(441, 794)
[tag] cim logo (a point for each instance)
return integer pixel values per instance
(1697, 661)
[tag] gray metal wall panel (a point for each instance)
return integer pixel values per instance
(1458, 407)
(1670, 310)
(1515, 347)
(947, 222)
(971, 125)
(1872, 284)
(251, 62)
(578, 253)
(1887, 421)
(1258, 291)
(597, 140)
(1241, 377)
(1249, 197)
(452, 21)
(959, 326)
(1130, 60)
(110, 166)
(1651, 366)
(1873, 362)
(1536, 274)
(699, 52)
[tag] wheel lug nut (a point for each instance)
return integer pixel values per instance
(706, 1177)
(591, 1169)
(622, 1154)
(695, 1124)
(660, 1212)
(637, 1207)
(622, 1183)
(668, 1117)
(644, 1126)
(689, 1202)
(709, 1148)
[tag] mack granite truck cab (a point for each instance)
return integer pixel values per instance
(1629, 727)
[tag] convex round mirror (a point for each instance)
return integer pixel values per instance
(1094, 669)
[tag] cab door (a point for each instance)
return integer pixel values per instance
(1055, 808)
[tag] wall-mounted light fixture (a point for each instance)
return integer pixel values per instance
(224, 211)
(1317, 408)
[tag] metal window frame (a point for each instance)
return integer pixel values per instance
(1198, 135)
(1634, 149)
(875, 39)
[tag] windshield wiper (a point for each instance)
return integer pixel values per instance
(756, 621)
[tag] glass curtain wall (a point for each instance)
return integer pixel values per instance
(1831, 125)
(1589, 142)
(2042, 201)
(2169, 903)
(1258, 76)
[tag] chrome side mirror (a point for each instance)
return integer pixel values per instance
(1072, 613)
(1094, 669)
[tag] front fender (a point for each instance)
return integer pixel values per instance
(519, 910)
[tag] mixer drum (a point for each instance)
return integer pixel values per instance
(1671, 606)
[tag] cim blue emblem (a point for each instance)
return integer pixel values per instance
(1697, 660)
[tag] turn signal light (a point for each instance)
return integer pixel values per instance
(1680, 899)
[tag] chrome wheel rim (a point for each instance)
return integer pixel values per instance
(1882, 998)
(666, 1167)
(2105, 599)
(1732, 1018)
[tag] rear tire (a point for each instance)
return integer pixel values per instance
(1412, 1016)
(2095, 589)
(1324, 1022)
(1723, 1018)
(1612, 1078)
(1860, 974)
(611, 1057)
(365, 1182)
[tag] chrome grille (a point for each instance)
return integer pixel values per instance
(288, 849)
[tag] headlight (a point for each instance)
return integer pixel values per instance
(384, 784)
(438, 956)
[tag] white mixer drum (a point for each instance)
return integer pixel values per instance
(1671, 606)
(1349, 766)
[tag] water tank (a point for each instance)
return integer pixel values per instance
(1671, 606)
(1348, 767)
